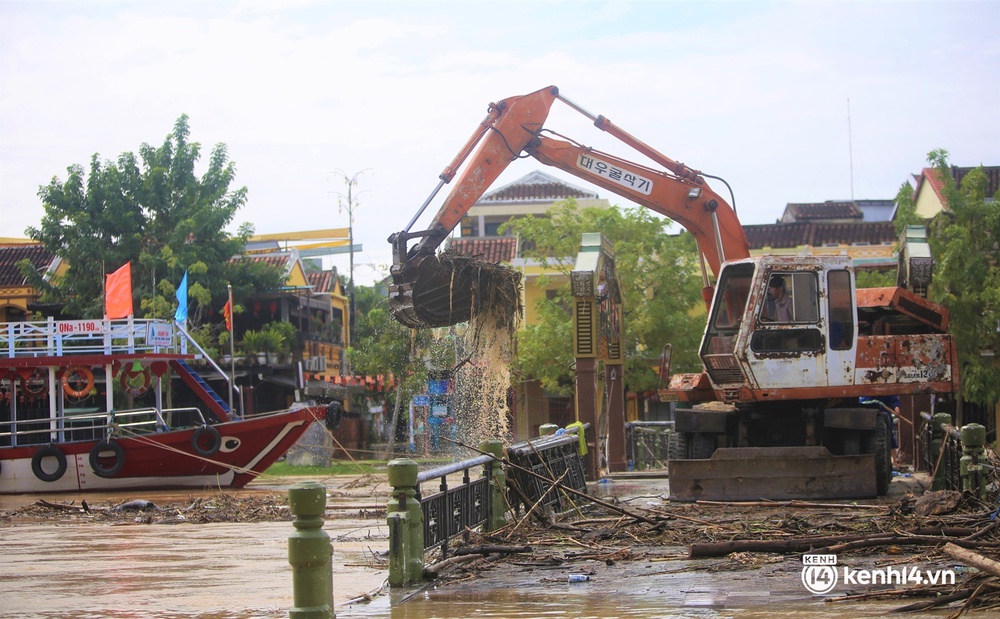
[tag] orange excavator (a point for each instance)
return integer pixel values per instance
(790, 347)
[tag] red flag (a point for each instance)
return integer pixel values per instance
(227, 312)
(118, 293)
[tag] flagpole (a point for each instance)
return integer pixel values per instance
(232, 354)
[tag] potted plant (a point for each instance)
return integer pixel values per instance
(270, 343)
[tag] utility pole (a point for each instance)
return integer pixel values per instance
(349, 203)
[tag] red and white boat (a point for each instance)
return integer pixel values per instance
(82, 408)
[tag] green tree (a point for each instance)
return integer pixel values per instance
(151, 210)
(906, 210)
(380, 345)
(965, 243)
(658, 276)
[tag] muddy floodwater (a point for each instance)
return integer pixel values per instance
(60, 568)
(240, 571)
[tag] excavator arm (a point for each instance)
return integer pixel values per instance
(429, 290)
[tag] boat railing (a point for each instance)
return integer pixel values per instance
(185, 337)
(56, 338)
(97, 426)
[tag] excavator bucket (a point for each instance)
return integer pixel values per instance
(756, 473)
(445, 289)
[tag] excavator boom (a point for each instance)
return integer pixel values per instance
(436, 290)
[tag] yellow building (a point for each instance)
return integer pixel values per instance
(313, 301)
(16, 296)
(929, 194)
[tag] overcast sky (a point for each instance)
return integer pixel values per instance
(754, 92)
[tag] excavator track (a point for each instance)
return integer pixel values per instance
(777, 473)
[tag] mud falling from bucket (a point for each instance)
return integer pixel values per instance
(485, 351)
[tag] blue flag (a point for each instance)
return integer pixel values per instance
(182, 300)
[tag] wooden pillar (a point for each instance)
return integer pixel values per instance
(586, 411)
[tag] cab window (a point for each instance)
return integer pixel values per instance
(841, 330)
(791, 298)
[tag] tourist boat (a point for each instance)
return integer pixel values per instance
(82, 408)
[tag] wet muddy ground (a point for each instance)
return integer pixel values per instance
(165, 563)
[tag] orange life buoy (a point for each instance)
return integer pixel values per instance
(35, 384)
(76, 375)
(127, 379)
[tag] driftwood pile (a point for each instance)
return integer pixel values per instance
(218, 507)
(749, 535)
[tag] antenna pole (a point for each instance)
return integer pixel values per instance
(850, 147)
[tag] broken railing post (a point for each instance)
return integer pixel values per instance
(309, 553)
(406, 524)
(973, 456)
(938, 423)
(498, 484)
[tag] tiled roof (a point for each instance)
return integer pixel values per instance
(819, 211)
(10, 255)
(322, 281)
(936, 182)
(959, 174)
(992, 178)
(280, 261)
(535, 187)
(819, 234)
(488, 249)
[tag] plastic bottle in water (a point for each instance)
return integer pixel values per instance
(578, 578)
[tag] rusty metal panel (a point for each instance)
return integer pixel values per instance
(687, 388)
(780, 473)
(905, 359)
(905, 302)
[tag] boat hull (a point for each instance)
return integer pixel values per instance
(245, 449)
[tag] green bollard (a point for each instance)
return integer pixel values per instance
(940, 481)
(309, 553)
(973, 455)
(406, 524)
(498, 505)
(547, 429)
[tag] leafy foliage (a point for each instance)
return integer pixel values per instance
(151, 210)
(965, 242)
(906, 210)
(380, 345)
(274, 338)
(658, 276)
(875, 279)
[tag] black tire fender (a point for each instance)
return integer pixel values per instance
(198, 437)
(883, 453)
(101, 469)
(48, 451)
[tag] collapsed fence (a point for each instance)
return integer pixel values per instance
(956, 458)
(646, 444)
